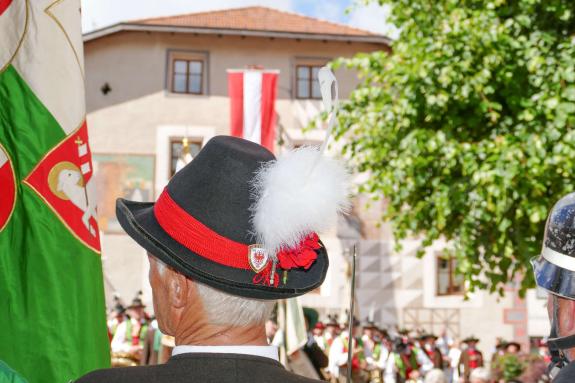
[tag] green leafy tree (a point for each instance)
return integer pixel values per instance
(510, 366)
(467, 127)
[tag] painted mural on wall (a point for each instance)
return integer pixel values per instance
(129, 176)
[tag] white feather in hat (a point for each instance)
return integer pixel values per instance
(301, 192)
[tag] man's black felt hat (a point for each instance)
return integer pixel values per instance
(369, 324)
(471, 339)
(426, 336)
(204, 216)
(136, 303)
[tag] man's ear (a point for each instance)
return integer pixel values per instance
(178, 289)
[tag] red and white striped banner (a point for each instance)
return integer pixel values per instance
(252, 97)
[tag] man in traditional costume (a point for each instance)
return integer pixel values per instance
(427, 342)
(233, 231)
(117, 316)
(372, 348)
(130, 334)
(368, 337)
(470, 359)
(513, 348)
(338, 356)
(406, 362)
(332, 331)
(317, 332)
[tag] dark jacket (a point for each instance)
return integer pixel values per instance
(316, 356)
(566, 375)
(197, 367)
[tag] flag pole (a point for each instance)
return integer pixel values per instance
(351, 317)
(282, 312)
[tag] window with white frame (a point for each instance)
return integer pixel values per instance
(305, 77)
(187, 73)
(449, 282)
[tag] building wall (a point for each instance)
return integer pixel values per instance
(134, 64)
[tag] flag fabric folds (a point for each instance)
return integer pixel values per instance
(52, 310)
(252, 96)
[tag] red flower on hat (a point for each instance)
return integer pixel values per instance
(303, 255)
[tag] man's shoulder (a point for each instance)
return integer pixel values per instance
(567, 374)
(122, 374)
(242, 368)
(200, 368)
(283, 375)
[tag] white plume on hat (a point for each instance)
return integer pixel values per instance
(299, 193)
(302, 191)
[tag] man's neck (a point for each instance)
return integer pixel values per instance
(210, 335)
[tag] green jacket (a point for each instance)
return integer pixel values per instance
(402, 367)
(8, 375)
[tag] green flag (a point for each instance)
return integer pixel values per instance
(52, 312)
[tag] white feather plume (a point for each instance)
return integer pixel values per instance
(299, 193)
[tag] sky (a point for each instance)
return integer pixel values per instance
(100, 13)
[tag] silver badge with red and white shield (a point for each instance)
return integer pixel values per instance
(258, 257)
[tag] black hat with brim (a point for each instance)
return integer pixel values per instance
(332, 321)
(215, 192)
(136, 303)
(509, 344)
(119, 308)
(427, 336)
(368, 325)
(355, 323)
(471, 339)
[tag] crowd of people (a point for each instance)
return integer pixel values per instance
(378, 355)
(402, 356)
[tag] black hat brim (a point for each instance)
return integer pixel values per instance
(553, 278)
(139, 222)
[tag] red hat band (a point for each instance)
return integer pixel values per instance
(197, 237)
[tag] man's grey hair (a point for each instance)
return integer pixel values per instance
(480, 375)
(229, 310)
(435, 376)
